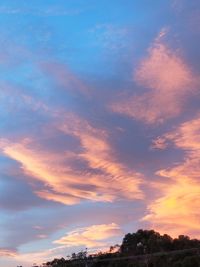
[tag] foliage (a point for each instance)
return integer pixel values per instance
(140, 249)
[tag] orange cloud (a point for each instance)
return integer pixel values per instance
(92, 236)
(7, 253)
(105, 178)
(168, 82)
(99, 155)
(177, 210)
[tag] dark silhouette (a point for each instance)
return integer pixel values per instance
(145, 248)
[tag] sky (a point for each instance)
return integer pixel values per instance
(99, 124)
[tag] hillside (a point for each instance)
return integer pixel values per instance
(145, 248)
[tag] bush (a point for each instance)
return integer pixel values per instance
(192, 261)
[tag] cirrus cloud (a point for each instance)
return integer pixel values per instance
(92, 173)
(92, 236)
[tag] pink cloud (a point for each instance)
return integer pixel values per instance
(168, 81)
(7, 253)
(105, 180)
(159, 143)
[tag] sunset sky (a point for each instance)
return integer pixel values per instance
(99, 124)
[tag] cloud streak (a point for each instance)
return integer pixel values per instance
(7, 252)
(92, 236)
(103, 178)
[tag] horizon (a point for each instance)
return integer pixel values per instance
(100, 124)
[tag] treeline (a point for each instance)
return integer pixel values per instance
(145, 248)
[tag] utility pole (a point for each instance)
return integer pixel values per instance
(86, 253)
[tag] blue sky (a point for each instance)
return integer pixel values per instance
(99, 124)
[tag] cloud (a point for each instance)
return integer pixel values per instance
(68, 177)
(51, 11)
(27, 259)
(17, 101)
(64, 78)
(159, 143)
(7, 252)
(177, 210)
(92, 236)
(168, 82)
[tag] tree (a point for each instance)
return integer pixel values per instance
(192, 261)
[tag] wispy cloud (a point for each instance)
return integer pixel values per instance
(7, 252)
(176, 211)
(49, 11)
(168, 82)
(103, 177)
(92, 236)
(39, 257)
